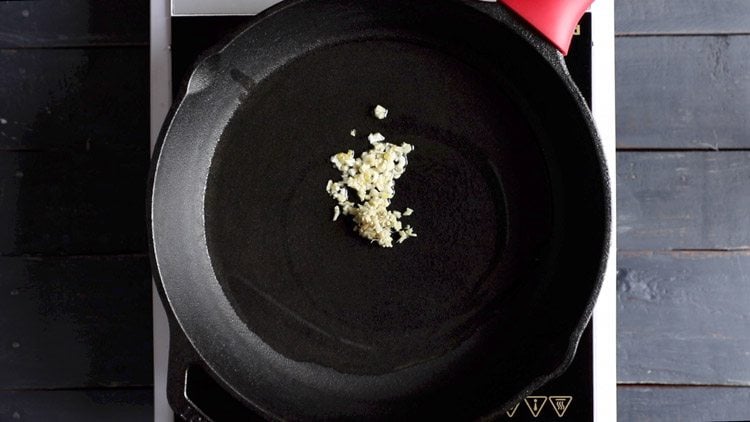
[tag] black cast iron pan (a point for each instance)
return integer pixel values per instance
(296, 316)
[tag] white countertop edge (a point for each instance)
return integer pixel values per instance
(605, 312)
(219, 7)
(160, 101)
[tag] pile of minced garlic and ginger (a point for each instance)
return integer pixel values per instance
(373, 177)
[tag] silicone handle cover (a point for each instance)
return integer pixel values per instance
(555, 19)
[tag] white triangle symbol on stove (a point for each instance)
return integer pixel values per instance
(512, 410)
(560, 404)
(535, 404)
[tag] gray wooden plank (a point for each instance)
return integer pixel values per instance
(683, 200)
(682, 17)
(683, 92)
(682, 318)
(652, 404)
(83, 99)
(111, 405)
(75, 322)
(63, 23)
(70, 203)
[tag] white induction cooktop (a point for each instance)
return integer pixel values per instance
(603, 107)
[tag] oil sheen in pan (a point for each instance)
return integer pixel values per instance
(314, 290)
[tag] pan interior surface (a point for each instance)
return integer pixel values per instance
(315, 291)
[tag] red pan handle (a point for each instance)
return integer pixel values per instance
(555, 19)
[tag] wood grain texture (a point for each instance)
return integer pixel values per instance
(683, 200)
(75, 322)
(682, 17)
(80, 99)
(64, 23)
(111, 405)
(683, 92)
(686, 404)
(682, 318)
(66, 203)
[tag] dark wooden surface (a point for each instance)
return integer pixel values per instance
(96, 405)
(681, 17)
(75, 284)
(683, 200)
(684, 404)
(684, 92)
(86, 322)
(70, 203)
(683, 226)
(66, 23)
(682, 318)
(84, 99)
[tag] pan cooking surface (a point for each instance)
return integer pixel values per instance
(313, 289)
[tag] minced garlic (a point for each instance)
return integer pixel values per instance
(374, 138)
(372, 176)
(380, 112)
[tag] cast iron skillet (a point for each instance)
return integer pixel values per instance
(298, 317)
